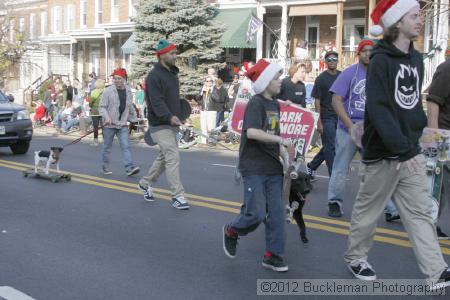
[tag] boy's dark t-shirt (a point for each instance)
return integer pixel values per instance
(258, 158)
(295, 92)
(439, 93)
(321, 91)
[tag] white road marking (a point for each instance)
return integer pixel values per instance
(220, 165)
(10, 293)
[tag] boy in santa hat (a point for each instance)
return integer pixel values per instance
(261, 168)
(393, 165)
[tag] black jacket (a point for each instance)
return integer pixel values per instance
(394, 116)
(163, 94)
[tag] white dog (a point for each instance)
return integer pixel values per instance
(47, 158)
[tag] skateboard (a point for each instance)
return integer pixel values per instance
(435, 144)
(53, 177)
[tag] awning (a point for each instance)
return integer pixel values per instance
(129, 46)
(236, 24)
(314, 9)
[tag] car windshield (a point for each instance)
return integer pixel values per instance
(3, 97)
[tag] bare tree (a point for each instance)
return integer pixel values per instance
(11, 40)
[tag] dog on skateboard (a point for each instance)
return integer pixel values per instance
(296, 186)
(47, 158)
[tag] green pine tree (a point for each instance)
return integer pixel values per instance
(188, 23)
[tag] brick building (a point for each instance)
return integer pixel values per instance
(71, 38)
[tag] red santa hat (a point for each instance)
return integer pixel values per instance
(120, 72)
(262, 74)
(389, 12)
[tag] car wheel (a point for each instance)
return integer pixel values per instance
(20, 147)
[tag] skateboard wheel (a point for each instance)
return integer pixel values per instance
(437, 171)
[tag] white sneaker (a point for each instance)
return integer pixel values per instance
(148, 193)
(180, 203)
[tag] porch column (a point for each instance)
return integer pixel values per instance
(107, 35)
(339, 29)
(372, 4)
(260, 11)
(282, 43)
(443, 30)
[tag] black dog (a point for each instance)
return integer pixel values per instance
(300, 187)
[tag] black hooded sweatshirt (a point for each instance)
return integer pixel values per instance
(163, 94)
(394, 116)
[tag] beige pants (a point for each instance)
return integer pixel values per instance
(207, 123)
(168, 160)
(381, 181)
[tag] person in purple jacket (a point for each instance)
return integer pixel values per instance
(349, 98)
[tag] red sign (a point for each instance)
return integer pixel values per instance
(296, 123)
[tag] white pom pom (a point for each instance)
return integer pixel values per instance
(376, 30)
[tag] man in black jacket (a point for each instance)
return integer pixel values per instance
(392, 163)
(164, 114)
(438, 104)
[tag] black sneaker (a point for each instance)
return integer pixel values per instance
(106, 171)
(180, 203)
(362, 270)
(441, 235)
(275, 263)
(443, 282)
(133, 171)
(391, 217)
(334, 210)
(148, 193)
(229, 242)
(311, 173)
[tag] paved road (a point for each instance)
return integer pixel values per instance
(95, 237)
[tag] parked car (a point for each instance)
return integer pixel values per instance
(16, 128)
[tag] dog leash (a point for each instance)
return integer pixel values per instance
(81, 137)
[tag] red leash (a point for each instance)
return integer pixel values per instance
(81, 137)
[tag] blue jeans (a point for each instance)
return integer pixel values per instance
(263, 203)
(108, 138)
(327, 152)
(345, 152)
(69, 123)
(220, 117)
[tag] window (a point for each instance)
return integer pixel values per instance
(21, 25)
(32, 25)
(44, 23)
(114, 10)
(132, 8)
(98, 12)
(83, 13)
(57, 22)
(354, 14)
(70, 17)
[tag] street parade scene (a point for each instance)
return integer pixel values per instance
(224, 149)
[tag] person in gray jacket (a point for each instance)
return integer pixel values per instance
(116, 109)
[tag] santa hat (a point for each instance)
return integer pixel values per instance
(120, 72)
(389, 12)
(164, 46)
(262, 74)
(363, 43)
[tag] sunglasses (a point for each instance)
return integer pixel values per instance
(332, 59)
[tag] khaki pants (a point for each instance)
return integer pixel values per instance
(381, 181)
(168, 160)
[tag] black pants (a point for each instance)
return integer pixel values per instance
(96, 120)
